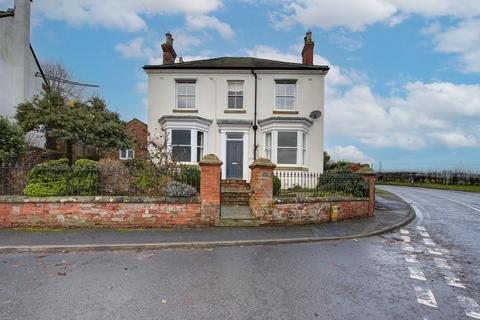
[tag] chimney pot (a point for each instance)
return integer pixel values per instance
(169, 53)
(307, 52)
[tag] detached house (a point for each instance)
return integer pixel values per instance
(240, 108)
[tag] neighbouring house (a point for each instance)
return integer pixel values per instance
(21, 74)
(240, 108)
(138, 130)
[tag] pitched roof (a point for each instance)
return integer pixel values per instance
(238, 63)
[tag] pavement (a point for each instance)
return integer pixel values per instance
(390, 212)
(426, 270)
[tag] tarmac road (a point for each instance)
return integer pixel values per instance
(426, 270)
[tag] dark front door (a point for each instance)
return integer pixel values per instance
(234, 159)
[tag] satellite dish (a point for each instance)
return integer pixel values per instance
(315, 114)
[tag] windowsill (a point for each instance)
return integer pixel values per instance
(185, 110)
(291, 168)
(235, 111)
(285, 111)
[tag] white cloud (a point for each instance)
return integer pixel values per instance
(456, 139)
(357, 15)
(152, 53)
(202, 21)
(352, 14)
(428, 113)
(349, 153)
(463, 39)
(336, 76)
(126, 15)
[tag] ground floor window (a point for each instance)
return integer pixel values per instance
(126, 154)
(187, 145)
(286, 147)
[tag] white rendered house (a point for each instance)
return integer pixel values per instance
(21, 75)
(240, 108)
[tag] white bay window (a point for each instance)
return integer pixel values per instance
(286, 147)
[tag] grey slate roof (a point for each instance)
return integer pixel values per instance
(194, 118)
(221, 122)
(238, 63)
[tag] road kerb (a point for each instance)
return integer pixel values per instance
(196, 245)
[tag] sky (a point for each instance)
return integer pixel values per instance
(403, 91)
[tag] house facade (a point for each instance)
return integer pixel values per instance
(139, 132)
(240, 108)
(21, 74)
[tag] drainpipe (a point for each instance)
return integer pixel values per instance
(255, 127)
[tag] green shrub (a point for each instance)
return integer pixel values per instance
(343, 181)
(277, 185)
(190, 176)
(178, 189)
(85, 177)
(50, 178)
(56, 178)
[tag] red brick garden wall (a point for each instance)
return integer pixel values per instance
(58, 214)
(315, 212)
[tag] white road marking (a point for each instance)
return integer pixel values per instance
(428, 242)
(425, 297)
(411, 258)
(434, 252)
(454, 282)
(416, 273)
(404, 231)
(464, 204)
(471, 307)
(421, 228)
(441, 263)
(406, 239)
(424, 234)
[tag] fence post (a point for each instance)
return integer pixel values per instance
(369, 175)
(210, 169)
(261, 182)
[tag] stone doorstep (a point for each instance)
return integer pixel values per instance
(236, 216)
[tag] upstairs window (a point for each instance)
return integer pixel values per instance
(186, 94)
(235, 94)
(181, 145)
(285, 92)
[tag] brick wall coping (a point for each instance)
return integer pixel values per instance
(99, 199)
(262, 163)
(210, 160)
(281, 200)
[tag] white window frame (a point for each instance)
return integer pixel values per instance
(177, 82)
(292, 81)
(268, 145)
(301, 154)
(183, 145)
(127, 151)
(198, 147)
(242, 84)
(193, 142)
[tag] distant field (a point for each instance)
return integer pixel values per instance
(433, 186)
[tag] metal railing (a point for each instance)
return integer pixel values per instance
(97, 181)
(299, 184)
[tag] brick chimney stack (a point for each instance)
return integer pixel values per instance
(169, 53)
(307, 52)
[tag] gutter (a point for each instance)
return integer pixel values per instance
(255, 127)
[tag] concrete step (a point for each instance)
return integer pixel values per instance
(237, 223)
(235, 212)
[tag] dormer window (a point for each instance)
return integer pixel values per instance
(285, 92)
(186, 94)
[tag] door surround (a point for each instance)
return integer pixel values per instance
(223, 143)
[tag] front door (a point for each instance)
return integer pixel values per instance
(234, 156)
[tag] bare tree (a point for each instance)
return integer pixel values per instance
(59, 78)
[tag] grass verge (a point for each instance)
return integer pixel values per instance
(466, 188)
